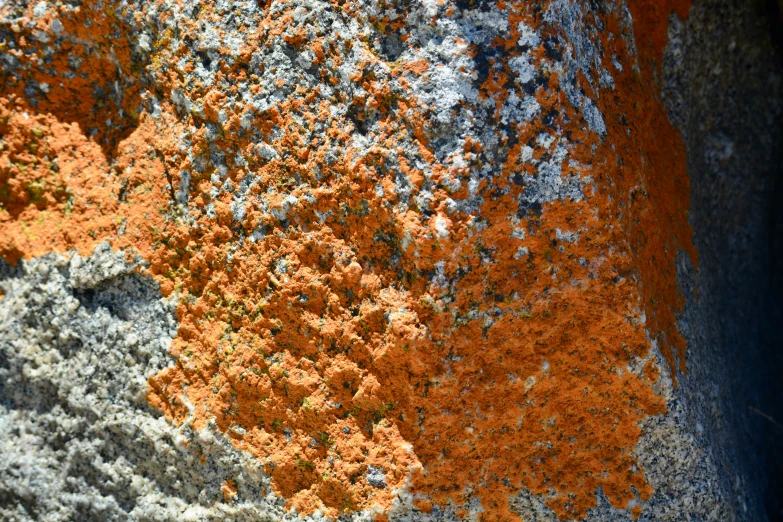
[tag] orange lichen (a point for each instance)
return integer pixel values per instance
(650, 25)
(326, 347)
(229, 489)
(67, 196)
(658, 221)
(94, 62)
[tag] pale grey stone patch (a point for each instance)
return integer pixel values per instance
(144, 43)
(580, 30)
(593, 117)
(181, 101)
(39, 11)
(238, 211)
(528, 35)
(524, 69)
(566, 235)
(376, 477)
(549, 183)
(266, 152)
(79, 337)
(183, 190)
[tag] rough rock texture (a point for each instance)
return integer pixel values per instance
(78, 340)
(382, 260)
(725, 51)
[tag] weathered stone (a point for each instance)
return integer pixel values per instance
(384, 260)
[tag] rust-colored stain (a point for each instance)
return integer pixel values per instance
(229, 490)
(650, 25)
(325, 347)
(658, 222)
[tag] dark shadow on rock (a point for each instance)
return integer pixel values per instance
(723, 79)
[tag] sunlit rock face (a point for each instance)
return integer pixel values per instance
(369, 260)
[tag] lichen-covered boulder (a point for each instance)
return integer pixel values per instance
(355, 259)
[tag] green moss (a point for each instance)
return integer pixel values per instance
(304, 465)
(324, 438)
(36, 190)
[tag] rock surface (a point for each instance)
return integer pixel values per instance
(377, 260)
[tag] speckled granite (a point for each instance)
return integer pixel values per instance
(415, 261)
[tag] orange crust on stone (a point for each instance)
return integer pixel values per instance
(341, 361)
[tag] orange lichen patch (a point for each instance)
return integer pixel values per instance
(652, 372)
(229, 490)
(355, 340)
(93, 79)
(39, 210)
(423, 505)
(65, 196)
(650, 25)
(657, 204)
